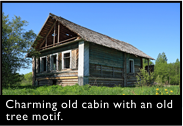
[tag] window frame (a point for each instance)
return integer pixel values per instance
(51, 68)
(68, 51)
(133, 66)
(41, 62)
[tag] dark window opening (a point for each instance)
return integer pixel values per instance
(54, 62)
(44, 64)
(67, 60)
(131, 66)
(54, 82)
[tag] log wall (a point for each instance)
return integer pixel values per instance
(131, 77)
(61, 76)
(106, 65)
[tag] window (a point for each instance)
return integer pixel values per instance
(131, 65)
(43, 64)
(54, 61)
(66, 59)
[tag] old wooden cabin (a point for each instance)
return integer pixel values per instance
(73, 54)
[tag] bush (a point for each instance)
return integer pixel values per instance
(144, 79)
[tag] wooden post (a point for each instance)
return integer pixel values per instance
(124, 70)
(54, 35)
(58, 31)
(33, 70)
(148, 67)
(101, 70)
(112, 71)
(141, 62)
(47, 34)
(46, 42)
(83, 63)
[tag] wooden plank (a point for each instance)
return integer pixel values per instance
(58, 43)
(33, 70)
(68, 80)
(101, 70)
(48, 78)
(100, 78)
(105, 81)
(74, 82)
(48, 63)
(86, 60)
(81, 59)
(124, 75)
(112, 71)
(60, 61)
(130, 83)
(54, 34)
(73, 59)
(67, 39)
(47, 34)
(37, 65)
(46, 42)
(58, 32)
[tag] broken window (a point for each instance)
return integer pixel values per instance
(131, 64)
(43, 64)
(54, 61)
(66, 58)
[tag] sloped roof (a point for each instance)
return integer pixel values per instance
(98, 38)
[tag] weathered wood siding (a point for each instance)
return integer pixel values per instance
(106, 65)
(105, 56)
(61, 76)
(60, 49)
(131, 77)
(37, 65)
(96, 81)
(33, 70)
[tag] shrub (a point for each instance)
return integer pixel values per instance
(144, 78)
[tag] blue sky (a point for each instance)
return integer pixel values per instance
(151, 27)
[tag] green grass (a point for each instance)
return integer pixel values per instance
(24, 89)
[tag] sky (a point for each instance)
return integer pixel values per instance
(151, 27)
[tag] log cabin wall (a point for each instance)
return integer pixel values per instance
(131, 76)
(60, 76)
(106, 66)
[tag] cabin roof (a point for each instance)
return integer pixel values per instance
(94, 37)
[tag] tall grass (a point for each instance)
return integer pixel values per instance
(90, 90)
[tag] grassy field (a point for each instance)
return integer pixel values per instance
(90, 90)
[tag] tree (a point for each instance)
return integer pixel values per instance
(161, 68)
(16, 42)
(28, 77)
(161, 58)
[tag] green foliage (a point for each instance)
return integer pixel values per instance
(145, 63)
(166, 73)
(161, 58)
(28, 77)
(16, 42)
(90, 90)
(144, 79)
